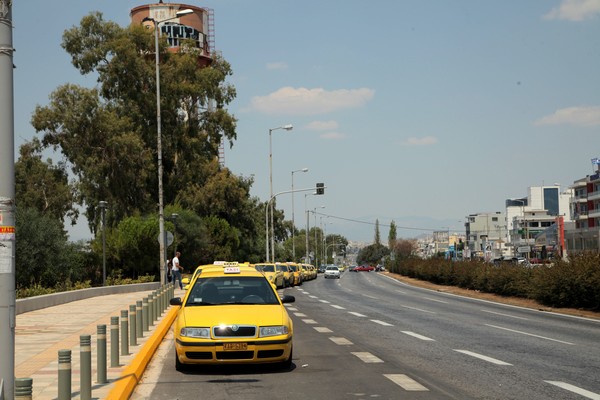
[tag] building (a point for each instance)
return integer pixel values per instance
(486, 235)
(584, 233)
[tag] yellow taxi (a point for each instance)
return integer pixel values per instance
(186, 281)
(312, 271)
(231, 314)
(297, 272)
(288, 275)
(274, 275)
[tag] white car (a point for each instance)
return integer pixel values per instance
(332, 272)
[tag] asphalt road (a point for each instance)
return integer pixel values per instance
(368, 336)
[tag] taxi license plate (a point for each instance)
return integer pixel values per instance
(235, 346)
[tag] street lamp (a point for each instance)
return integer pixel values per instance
(103, 205)
(293, 220)
(161, 217)
(306, 211)
(287, 127)
(174, 219)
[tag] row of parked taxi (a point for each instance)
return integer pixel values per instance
(281, 275)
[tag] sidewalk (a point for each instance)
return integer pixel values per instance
(42, 333)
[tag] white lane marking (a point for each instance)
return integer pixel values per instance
(439, 301)
(299, 314)
(367, 357)
(482, 357)
(324, 301)
(338, 307)
(406, 383)
(381, 322)
(309, 321)
(340, 340)
(313, 297)
(529, 334)
(418, 336)
(417, 309)
(305, 292)
(322, 329)
(504, 315)
(292, 308)
(357, 314)
(575, 389)
(370, 297)
(400, 291)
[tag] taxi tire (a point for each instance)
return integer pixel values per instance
(179, 366)
(287, 364)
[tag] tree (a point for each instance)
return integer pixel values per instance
(392, 236)
(108, 134)
(43, 186)
(377, 235)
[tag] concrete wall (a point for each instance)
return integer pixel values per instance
(54, 299)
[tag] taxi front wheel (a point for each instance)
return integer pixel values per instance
(179, 366)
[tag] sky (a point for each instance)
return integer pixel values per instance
(417, 112)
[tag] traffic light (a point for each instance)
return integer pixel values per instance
(320, 188)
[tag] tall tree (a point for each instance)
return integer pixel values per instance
(392, 236)
(108, 133)
(377, 234)
(43, 186)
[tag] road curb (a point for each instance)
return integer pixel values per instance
(126, 383)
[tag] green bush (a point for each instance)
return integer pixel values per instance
(571, 283)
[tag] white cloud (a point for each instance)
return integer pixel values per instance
(303, 101)
(333, 136)
(277, 65)
(322, 125)
(575, 10)
(578, 116)
(423, 141)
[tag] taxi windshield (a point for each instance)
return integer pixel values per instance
(231, 290)
(266, 268)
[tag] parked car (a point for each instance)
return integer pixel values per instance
(332, 271)
(232, 315)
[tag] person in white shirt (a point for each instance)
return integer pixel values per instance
(176, 270)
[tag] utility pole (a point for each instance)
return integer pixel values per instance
(7, 203)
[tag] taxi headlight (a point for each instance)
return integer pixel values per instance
(273, 330)
(203, 333)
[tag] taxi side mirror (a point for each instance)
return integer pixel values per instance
(175, 301)
(288, 299)
(185, 281)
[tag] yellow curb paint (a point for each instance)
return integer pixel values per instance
(126, 383)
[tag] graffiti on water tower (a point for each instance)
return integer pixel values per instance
(176, 32)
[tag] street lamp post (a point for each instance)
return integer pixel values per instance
(293, 220)
(287, 127)
(161, 217)
(103, 205)
(306, 211)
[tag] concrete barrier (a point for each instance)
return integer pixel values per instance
(54, 299)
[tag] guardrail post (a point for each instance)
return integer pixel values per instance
(145, 314)
(139, 325)
(23, 388)
(114, 341)
(101, 353)
(124, 333)
(150, 310)
(132, 325)
(64, 374)
(85, 367)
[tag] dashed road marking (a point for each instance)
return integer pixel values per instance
(439, 301)
(417, 309)
(367, 357)
(575, 389)
(418, 336)
(309, 321)
(313, 297)
(324, 301)
(292, 308)
(338, 307)
(482, 357)
(381, 322)
(528, 334)
(299, 314)
(322, 329)
(341, 341)
(406, 383)
(357, 314)
(504, 315)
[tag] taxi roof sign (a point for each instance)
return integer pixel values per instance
(232, 270)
